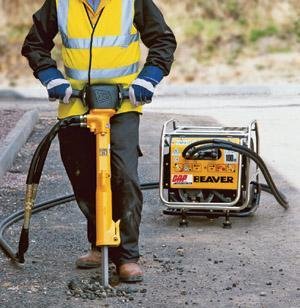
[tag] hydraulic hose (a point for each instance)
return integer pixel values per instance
(34, 176)
(264, 188)
(36, 168)
(12, 219)
(203, 145)
(40, 154)
(39, 158)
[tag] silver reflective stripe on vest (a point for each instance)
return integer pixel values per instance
(106, 73)
(122, 40)
(101, 41)
(127, 15)
(62, 17)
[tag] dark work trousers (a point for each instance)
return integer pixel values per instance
(77, 148)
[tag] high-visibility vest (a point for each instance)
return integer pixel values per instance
(113, 45)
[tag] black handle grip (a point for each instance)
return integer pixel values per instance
(80, 93)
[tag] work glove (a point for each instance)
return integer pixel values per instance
(57, 86)
(142, 89)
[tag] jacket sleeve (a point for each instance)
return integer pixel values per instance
(39, 41)
(155, 34)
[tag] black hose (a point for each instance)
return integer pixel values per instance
(10, 220)
(35, 172)
(33, 178)
(41, 152)
(197, 146)
(15, 217)
(149, 186)
(40, 155)
(265, 188)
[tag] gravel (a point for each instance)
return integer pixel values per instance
(92, 289)
(8, 120)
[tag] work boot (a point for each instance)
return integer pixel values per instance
(130, 272)
(91, 260)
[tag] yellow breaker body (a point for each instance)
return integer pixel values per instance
(106, 41)
(107, 231)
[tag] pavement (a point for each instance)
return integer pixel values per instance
(15, 139)
(255, 264)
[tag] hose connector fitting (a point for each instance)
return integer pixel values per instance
(31, 191)
(83, 120)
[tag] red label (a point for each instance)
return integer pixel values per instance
(179, 178)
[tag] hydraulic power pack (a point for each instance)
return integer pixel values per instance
(210, 171)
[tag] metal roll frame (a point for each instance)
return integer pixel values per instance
(217, 208)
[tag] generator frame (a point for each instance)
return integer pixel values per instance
(248, 136)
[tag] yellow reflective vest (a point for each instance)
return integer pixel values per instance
(107, 45)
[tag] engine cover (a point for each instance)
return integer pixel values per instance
(218, 169)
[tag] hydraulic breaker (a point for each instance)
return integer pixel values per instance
(107, 231)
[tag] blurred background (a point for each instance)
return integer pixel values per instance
(219, 41)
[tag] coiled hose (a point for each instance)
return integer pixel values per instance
(208, 144)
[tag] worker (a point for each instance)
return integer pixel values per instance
(100, 44)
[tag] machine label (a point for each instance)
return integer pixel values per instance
(231, 157)
(103, 152)
(213, 179)
(182, 179)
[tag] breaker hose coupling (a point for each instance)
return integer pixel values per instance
(78, 120)
(83, 120)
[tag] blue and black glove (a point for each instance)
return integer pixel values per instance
(142, 89)
(57, 86)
